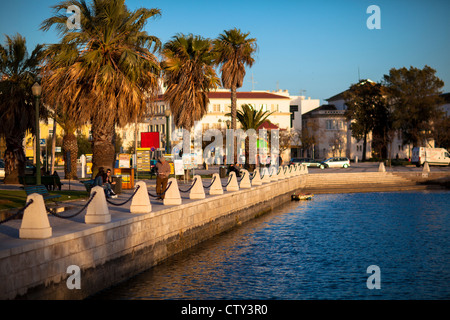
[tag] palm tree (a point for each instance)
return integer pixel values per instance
(18, 71)
(234, 51)
(189, 75)
(250, 118)
(107, 71)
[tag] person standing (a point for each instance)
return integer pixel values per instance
(163, 168)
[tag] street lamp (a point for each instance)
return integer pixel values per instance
(37, 90)
(167, 114)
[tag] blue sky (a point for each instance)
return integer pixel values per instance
(311, 45)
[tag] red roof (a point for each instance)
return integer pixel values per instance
(268, 126)
(246, 95)
(240, 95)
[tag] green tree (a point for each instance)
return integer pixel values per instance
(414, 96)
(107, 71)
(367, 110)
(250, 118)
(234, 51)
(18, 72)
(188, 68)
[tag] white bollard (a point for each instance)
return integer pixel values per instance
(291, 171)
(172, 195)
(216, 187)
(35, 224)
(265, 177)
(141, 201)
(97, 211)
(305, 169)
(232, 184)
(256, 181)
(197, 191)
(245, 181)
(426, 167)
(273, 174)
(381, 167)
(281, 174)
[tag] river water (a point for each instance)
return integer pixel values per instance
(318, 249)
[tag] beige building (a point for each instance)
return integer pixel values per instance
(219, 105)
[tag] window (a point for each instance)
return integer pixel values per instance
(216, 108)
(334, 125)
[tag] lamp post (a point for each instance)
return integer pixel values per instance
(37, 90)
(167, 114)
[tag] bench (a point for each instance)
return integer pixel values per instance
(52, 182)
(42, 190)
(88, 184)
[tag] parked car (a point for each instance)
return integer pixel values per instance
(335, 162)
(2, 168)
(297, 160)
(307, 161)
(30, 169)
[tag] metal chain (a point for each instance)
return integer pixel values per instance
(121, 204)
(74, 214)
(189, 189)
(214, 179)
(167, 188)
(229, 180)
(18, 212)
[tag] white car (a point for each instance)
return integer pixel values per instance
(335, 162)
(2, 169)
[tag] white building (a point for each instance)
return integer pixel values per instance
(219, 105)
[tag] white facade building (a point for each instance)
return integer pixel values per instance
(219, 105)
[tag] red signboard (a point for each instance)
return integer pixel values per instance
(150, 140)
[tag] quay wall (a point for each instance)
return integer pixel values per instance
(110, 253)
(113, 252)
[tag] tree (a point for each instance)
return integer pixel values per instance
(234, 51)
(366, 108)
(18, 72)
(107, 71)
(189, 75)
(414, 96)
(250, 118)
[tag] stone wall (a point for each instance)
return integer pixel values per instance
(112, 252)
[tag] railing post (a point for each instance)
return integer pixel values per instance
(97, 210)
(197, 191)
(35, 224)
(172, 195)
(141, 202)
(216, 186)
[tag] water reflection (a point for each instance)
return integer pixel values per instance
(317, 249)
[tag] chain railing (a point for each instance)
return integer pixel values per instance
(189, 189)
(126, 201)
(229, 180)
(159, 196)
(54, 213)
(18, 212)
(213, 179)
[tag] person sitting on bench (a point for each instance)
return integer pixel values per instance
(104, 180)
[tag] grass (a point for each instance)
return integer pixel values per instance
(10, 199)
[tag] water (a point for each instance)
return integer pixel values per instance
(317, 249)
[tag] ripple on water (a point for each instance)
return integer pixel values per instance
(317, 249)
